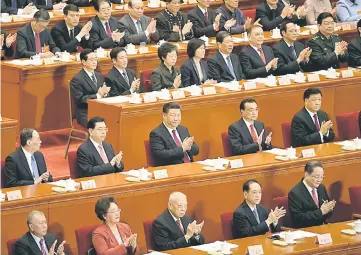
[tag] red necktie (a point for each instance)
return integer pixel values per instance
(107, 27)
(180, 226)
(43, 251)
(253, 133)
(206, 15)
(37, 43)
(315, 197)
(316, 122)
(102, 154)
(262, 55)
(179, 143)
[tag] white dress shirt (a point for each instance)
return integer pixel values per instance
(310, 189)
(37, 241)
(311, 114)
(176, 133)
(28, 156)
(249, 126)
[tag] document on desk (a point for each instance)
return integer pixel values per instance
(344, 143)
(278, 152)
(156, 253)
(212, 162)
(216, 246)
(114, 100)
(298, 234)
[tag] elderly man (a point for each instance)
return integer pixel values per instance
(26, 166)
(171, 142)
(173, 229)
(251, 218)
(308, 201)
(37, 240)
(138, 27)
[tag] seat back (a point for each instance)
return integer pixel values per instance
(355, 198)
(348, 126)
(84, 239)
(227, 221)
(148, 228)
(227, 147)
(11, 246)
(71, 106)
(2, 174)
(250, 13)
(286, 134)
(279, 202)
(73, 164)
(146, 80)
(149, 154)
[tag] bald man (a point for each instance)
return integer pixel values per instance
(37, 241)
(173, 229)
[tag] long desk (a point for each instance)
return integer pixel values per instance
(341, 243)
(209, 194)
(8, 136)
(36, 94)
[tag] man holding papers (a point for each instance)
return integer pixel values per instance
(308, 201)
(173, 229)
(248, 135)
(251, 218)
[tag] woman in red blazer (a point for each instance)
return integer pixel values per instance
(112, 237)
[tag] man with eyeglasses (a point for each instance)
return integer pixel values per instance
(173, 229)
(248, 135)
(37, 240)
(171, 142)
(311, 125)
(87, 84)
(95, 156)
(251, 218)
(328, 50)
(308, 201)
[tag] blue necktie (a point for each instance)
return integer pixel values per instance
(229, 64)
(293, 51)
(139, 27)
(256, 215)
(14, 4)
(34, 167)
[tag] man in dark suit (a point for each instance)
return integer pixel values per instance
(68, 35)
(87, 84)
(48, 5)
(26, 166)
(37, 240)
(311, 125)
(354, 49)
(257, 59)
(173, 25)
(248, 135)
(292, 55)
(121, 79)
(138, 27)
(272, 13)
(171, 142)
(106, 31)
(251, 218)
(328, 50)
(308, 201)
(205, 21)
(17, 7)
(95, 156)
(34, 38)
(224, 66)
(6, 44)
(173, 229)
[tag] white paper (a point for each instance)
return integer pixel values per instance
(321, 72)
(194, 90)
(70, 184)
(114, 100)
(156, 253)
(216, 246)
(345, 143)
(298, 234)
(233, 85)
(212, 162)
(278, 152)
(134, 173)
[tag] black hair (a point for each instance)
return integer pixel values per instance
(93, 121)
(221, 35)
(97, 3)
(41, 15)
(170, 105)
(310, 166)
(323, 16)
(25, 135)
(166, 48)
(193, 45)
(242, 105)
(283, 26)
(311, 91)
(70, 7)
(248, 183)
(84, 54)
(114, 52)
(102, 206)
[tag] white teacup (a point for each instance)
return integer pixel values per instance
(291, 152)
(225, 248)
(357, 142)
(276, 33)
(357, 226)
(5, 16)
(65, 56)
(219, 164)
(143, 174)
(100, 52)
(289, 237)
(36, 60)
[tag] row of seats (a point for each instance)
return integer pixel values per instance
(84, 234)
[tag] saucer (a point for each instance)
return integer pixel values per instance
(293, 242)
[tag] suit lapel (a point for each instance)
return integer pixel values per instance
(250, 214)
(90, 82)
(95, 152)
(34, 246)
(246, 130)
(107, 151)
(307, 195)
(235, 68)
(173, 224)
(224, 64)
(267, 54)
(25, 164)
(196, 70)
(101, 28)
(168, 136)
(66, 32)
(204, 70)
(202, 17)
(32, 37)
(132, 25)
(309, 120)
(287, 49)
(255, 54)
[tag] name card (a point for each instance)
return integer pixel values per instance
(209, 90)
(324, 239)
(308, 153)
(249, 85)
(81, 11)
(51, 14)
(48, 61)
(143, 50)
(178, 94)
(160, 174)
(347, 73)
(237, 163)
(255, 250)
(149, 98)
(312, 77)
(88, 184)
(346, 27)
(283, 81)
(14, 195)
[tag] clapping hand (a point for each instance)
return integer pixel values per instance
(327, 206)
(177, 81)
(325, 126)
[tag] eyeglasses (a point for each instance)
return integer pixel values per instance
(93, 59)
(327, 23)
(101, 129)
(318, 177)
(105, 9)
(115, 211)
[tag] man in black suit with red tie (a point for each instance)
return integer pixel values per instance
(95, 156)
(173, 229)
(171, 142)
(308, 201)
(248, 135)
(68, 35)
(87, 84)
(257, 59)
(26, 166)
(251, 218)
(311, 125)
(205, 21)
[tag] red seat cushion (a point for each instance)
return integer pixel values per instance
(279, 202)
(286, 134)
(355, 198)
(227, 147)
(148, 228)
(146, 80)
(149, 154)
(227, 221)
(84, 239)
(348, 126)
(73, 164)
(77, 126)
(11, 246)
(250, 14)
